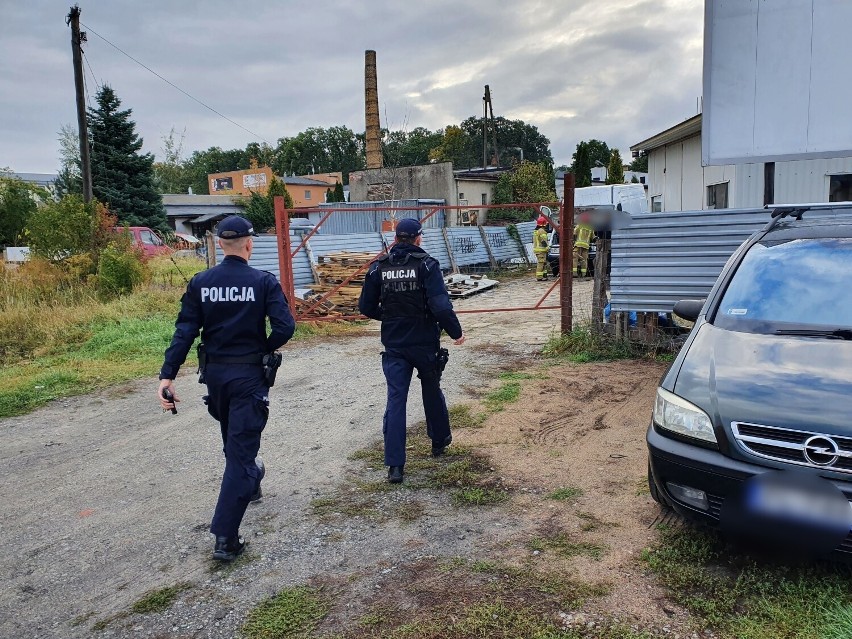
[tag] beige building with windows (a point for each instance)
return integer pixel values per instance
(678, 182)
(306, 190)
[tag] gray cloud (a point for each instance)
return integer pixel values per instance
(618, 70)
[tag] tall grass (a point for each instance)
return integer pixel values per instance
(59, 336)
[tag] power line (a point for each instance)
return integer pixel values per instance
(173, 85)
(91, 70)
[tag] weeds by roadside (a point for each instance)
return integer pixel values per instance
(581, 346)
(751, 598)
(508, 392)
(160, 599)
(59, 338)
(293, 612)
(465, 474)
(457, 599)
(564, 546)
(569, 493)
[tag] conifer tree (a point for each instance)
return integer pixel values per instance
(122, 177)
(615, 170)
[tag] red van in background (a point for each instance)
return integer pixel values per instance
(147, 240)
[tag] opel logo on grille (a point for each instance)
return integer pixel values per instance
(820, 450)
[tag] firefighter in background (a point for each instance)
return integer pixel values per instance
(583, 236)
(540, 248)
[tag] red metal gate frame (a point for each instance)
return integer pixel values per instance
(566, 241)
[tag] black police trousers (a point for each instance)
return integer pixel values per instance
(398, 366)
(239, 401)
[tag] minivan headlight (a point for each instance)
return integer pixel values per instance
(677, 415)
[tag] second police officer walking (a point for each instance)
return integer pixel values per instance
(405, 291)
(229, 304)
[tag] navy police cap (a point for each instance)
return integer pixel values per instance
(233, 227)
(408, 228)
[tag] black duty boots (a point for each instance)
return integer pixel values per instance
(228, 548)
(440, 449)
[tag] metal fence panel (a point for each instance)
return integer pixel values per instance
(504, 247)
(352, 221)
(525, 230)
(433, 243)
(665, 257)
(264, 257)
(467, 246)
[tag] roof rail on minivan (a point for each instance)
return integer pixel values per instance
(780, 211)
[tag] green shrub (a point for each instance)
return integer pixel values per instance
(119, 270)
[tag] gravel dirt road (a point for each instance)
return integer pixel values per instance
(106, 498)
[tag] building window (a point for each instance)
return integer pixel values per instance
(657, 204)
(717, 196)
(840, 188)
(307, 194)
(461, 196)
(484, 199)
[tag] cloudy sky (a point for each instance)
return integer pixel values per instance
(617, 70)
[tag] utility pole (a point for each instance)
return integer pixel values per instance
(77, 39)
(490, 107)
(485, 128)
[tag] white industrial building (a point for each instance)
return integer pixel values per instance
(677, 181)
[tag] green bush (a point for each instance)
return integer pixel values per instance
(119, 270)
(59, 230)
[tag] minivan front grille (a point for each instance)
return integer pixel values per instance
(803, 448)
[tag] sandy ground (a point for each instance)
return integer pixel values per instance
(106, 498)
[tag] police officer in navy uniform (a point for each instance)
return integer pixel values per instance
(229, 304)
(405, 290)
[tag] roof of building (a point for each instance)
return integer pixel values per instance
(686, 129)
(184, 199)
(303, 181)
(487, 174)
(36, 178)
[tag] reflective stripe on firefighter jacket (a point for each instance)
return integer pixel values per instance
(540, 240)
(583, 234)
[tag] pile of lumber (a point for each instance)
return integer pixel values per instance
(333, 269)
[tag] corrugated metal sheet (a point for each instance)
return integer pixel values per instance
(467, 246)
(352, 242)
(503, 246)
(433, 243)
(302, 274)
(264, 257)
(665, 257)
(525, 230)
(371, 221)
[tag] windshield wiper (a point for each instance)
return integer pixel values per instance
(837, 333)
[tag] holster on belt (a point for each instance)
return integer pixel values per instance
(443, 358)
(201, 350)
(271, 364)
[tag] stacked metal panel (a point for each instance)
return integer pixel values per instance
(467, 246)
(504, 247)
(662, 258)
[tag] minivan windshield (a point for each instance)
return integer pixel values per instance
(788, 284)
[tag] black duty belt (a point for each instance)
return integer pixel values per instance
(242, 359)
